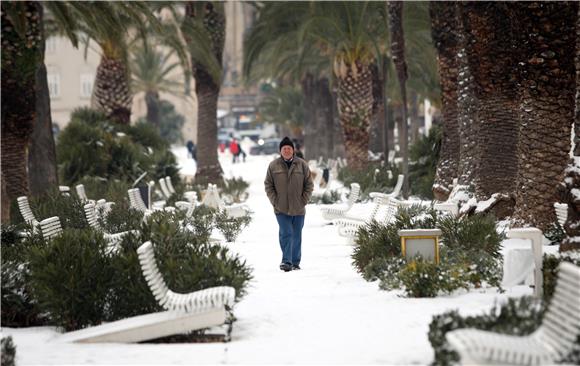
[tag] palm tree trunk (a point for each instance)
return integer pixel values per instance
(466, 113)
(310, 127)
(395, 10)
(414, 115)
(325, 117)
(572, 180)
(207, 90)
(490, 59)
(42, 172)
(152, 102)
(112, 92)
(21, 55)
(444, 29)
(547, 76)
(355, 101)
(378, 116)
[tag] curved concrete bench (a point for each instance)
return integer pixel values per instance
(552, 341)
(338, 211)
(198, 301)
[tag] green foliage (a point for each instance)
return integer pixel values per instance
(373, 178)
(8, 351)
(68, 208)
(462, 263)
(424, 155)
(555, 233)
(283, 105)
(122, 218)
(550, 270)
(231, 227)
(18, 307)
(171, 123)
(113, 190)
(519, 316)
(91, 146)
(70, 276)
(235, 190)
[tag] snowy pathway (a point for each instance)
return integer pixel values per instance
(324, 314)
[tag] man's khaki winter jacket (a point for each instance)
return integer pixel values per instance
(289, 189)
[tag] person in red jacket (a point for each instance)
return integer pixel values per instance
(235, 150)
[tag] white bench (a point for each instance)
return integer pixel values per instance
(50, 227)
(92, 219)
(396, 191)
(552, 341)
(561, 213)
(213, 199)
(191, 196)
(383, 211)
(26, 211)
(338, 211)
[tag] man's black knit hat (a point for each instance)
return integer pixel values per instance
(286, 141)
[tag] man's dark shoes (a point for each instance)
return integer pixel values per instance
(286, 267)
(295, 267)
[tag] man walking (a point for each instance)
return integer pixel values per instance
(289, 187)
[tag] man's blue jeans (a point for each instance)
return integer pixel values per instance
(290, 236)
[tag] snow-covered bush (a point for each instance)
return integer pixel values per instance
(231, 227)
(469, 255)
(91, 146)
(8, 351)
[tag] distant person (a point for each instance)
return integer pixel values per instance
(235, 150)
(191, 149)
(298, 152)
(289, 186)
(222, 147)
(241, 152)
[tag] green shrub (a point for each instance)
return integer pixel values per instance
(91, 146)
(235, 190)
(8, 351)
(113, 190)
(519, 316)
(231, 227)
(550, 270)
(122, 218)
(69, 209)
(555, 233)
(70, 276)
(377, 254)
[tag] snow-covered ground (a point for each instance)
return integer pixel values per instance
(324, 314)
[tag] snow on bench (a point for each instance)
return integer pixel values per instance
(552, 341)
(339, 210)
(50, 227)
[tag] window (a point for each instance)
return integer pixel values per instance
(87, 82)
(53, 85)
(51, 44)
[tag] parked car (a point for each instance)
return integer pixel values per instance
(268, 146)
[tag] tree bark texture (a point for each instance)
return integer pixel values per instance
(112, 93)
(466, 112)
(378, 111)
(490, 58)
(355, 101)
(207, 90)
(572, 180)
(547, 79)
(395, 16)
(42, 168)
(21, 55)
(444, 31)
(152, 102)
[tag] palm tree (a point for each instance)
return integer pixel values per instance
(108, 24)
(547, 76)
(395, 11)
(572, 179)
(203, 28)
(350, 34)
(273, 49)
(489, 54)
(444, 32)
(22, 24)
(285, 106)
(150, 70)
